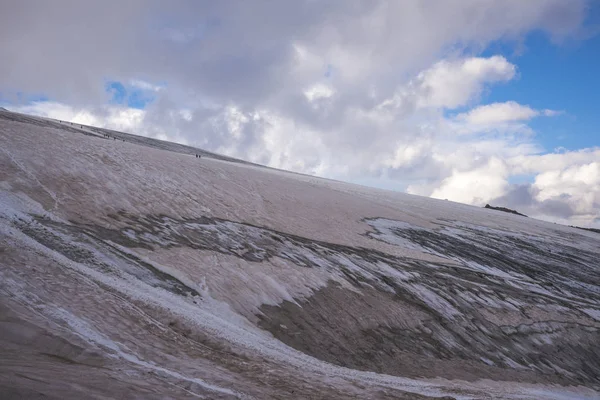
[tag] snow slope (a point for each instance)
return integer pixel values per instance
(157, 274)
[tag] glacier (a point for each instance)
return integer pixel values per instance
(131, 268)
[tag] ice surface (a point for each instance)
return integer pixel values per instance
(255, 236)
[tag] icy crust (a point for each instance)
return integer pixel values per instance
(254, 244)
(553, 282)
(165, 232)
(87, 332)
(91, 249)
(207, 314)
(212, 316)
(559, 269)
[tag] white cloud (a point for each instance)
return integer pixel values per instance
(494, 113)
(318, 91)
(581, 183)
(568, 195)
(475, 186)
(500, 113)
(112, 117)
(186, 114)
(141, 84)
(452, 84)
(538, 163)
(552, 113)
(449, 84)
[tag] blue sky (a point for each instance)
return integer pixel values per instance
(561, 77)
(129, 95)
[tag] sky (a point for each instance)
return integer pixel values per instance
(475, 101)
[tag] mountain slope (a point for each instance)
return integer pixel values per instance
(135, 261)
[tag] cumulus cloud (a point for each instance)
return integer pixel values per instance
(355, 90)
(112, 117)
(568, 196)
(248, 52)
(578, 186)
(558, 161)
(143, 85)
(495, 113)
(476, 185)
(453, 84)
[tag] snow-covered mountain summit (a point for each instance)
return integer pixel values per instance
(156, 274)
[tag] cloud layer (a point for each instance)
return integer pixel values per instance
(383, 93)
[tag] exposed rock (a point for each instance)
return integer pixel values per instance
(508, 210)
(588, 229)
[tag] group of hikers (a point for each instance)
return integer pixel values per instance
(198, 156)
(106, 135)
(60, 121)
